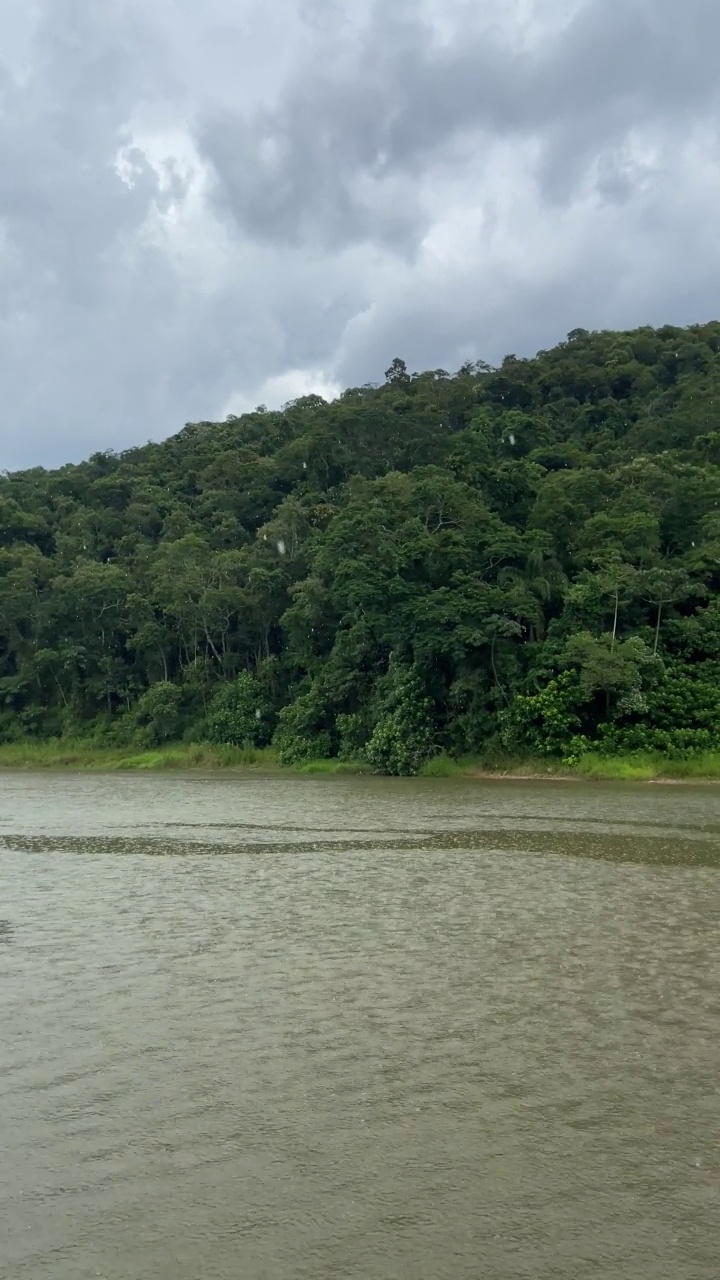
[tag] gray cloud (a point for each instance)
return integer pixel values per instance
(320, 161)
(198, 203)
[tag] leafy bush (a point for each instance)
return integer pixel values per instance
(11, 728)
(353, 733)
(544, 723)
(403, 738)
(158, 714)
(302, 732)
(675, 743)
(240, 714)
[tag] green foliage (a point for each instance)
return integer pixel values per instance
(11, 727)
(403, 738)
(608, 666)
(544, 723)
(679, 716)
(353, 733)
(302, 733)
(240, 714)
(537, 544)
(158, 714)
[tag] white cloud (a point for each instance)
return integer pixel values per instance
(276, 392)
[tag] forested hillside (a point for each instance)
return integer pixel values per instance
(523, 559)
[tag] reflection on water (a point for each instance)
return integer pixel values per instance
(399, 1029)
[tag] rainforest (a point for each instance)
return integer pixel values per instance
(500, 564)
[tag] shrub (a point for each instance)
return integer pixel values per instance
(544, 723)
(302, 732)
(240, 714)
(158, 714)
(353, 734)
(403, 738)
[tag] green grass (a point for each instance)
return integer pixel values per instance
(448, 767)
(649, 766)
(330, 766)
(61, 754)
(89, 756)
(618, 768)
(706, 765)
(641, 767)
(444, 766)
(58, 754)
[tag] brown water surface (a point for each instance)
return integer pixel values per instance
(358, 1029)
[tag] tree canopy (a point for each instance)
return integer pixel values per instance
(521, 558)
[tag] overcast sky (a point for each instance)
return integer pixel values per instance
(209, 205)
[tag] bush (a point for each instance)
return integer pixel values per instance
(353, 734)
(157, 716)
(302, 732)
(11, 727)
(240, 714)
(677, 744)
(544, 723)
(403, 738)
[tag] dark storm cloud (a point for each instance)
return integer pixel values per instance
(201, 205)
(376, 115)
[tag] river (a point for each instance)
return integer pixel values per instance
(273, 1028)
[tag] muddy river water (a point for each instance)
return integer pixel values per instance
(271, 1028)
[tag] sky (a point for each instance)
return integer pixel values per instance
(208, 206)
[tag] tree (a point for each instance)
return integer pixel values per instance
(663, 586)
(397, 373)
(604, 666)
(620, 581)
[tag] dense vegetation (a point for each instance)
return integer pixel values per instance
(521, 560)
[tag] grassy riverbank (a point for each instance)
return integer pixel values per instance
(83, 756)
(643, 767)
(59, 754)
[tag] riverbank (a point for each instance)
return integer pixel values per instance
(82, 756)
